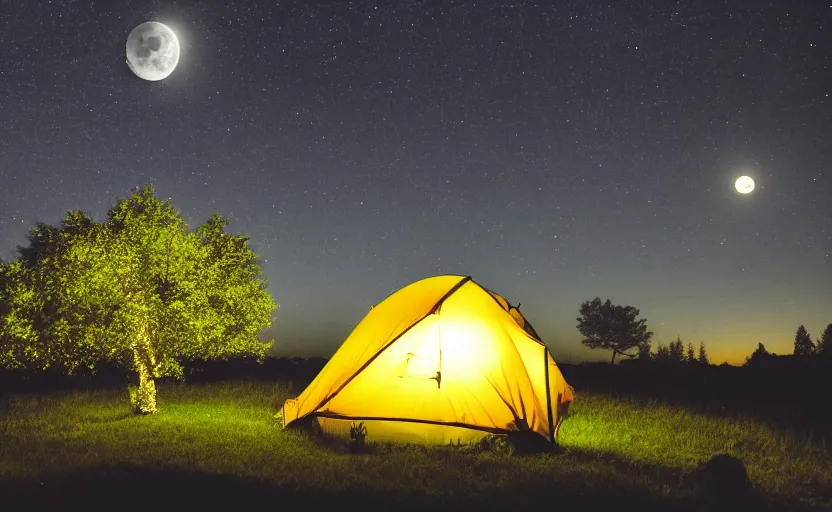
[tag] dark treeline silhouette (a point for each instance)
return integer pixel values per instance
(299, 371)
(788, 391)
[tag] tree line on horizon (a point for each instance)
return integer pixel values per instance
(608, 326)
(804, 346)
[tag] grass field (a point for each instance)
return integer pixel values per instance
(219, 446)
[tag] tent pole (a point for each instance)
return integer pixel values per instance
(549, 396)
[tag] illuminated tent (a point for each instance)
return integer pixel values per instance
(440, 361)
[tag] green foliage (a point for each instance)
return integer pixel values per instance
(803, 345)
(232, 295)
(47, 314)
(11, 327)
(140, 289)
(612, 327)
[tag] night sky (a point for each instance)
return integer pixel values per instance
(554, 153)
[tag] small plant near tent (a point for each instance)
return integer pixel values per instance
(358, 434)
(499, 444)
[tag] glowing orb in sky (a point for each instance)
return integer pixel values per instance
(152, 51)
(744, 185)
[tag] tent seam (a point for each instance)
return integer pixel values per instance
(431, 311)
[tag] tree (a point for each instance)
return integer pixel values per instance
(662, 352)
(690, 354)
(824, 346)
(644, 351)
(612, 327)
(140, 289)
(703, 355)
(803, 345)
(758, 356)
(677, 350)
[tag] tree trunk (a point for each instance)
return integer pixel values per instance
(144, 398)
(144, 401)
(614, 352)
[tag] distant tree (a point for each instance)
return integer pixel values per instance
(677, 350)
(644, 352)
(690, 354)
(703, 355)
(803, 345)
(612, 327)
(140, 289)
(824, 346)
(758, 356)
(662, 352)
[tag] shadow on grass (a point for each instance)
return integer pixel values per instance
(132, 488)
(137, 488)
(110, 418)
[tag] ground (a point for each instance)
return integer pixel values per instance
(218, 446)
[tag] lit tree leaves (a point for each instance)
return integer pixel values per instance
(140, 289)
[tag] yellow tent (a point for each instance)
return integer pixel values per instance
(440, 361)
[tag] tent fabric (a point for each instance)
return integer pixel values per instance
(441, 360)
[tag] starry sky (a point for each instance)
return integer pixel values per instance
(555, 151)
